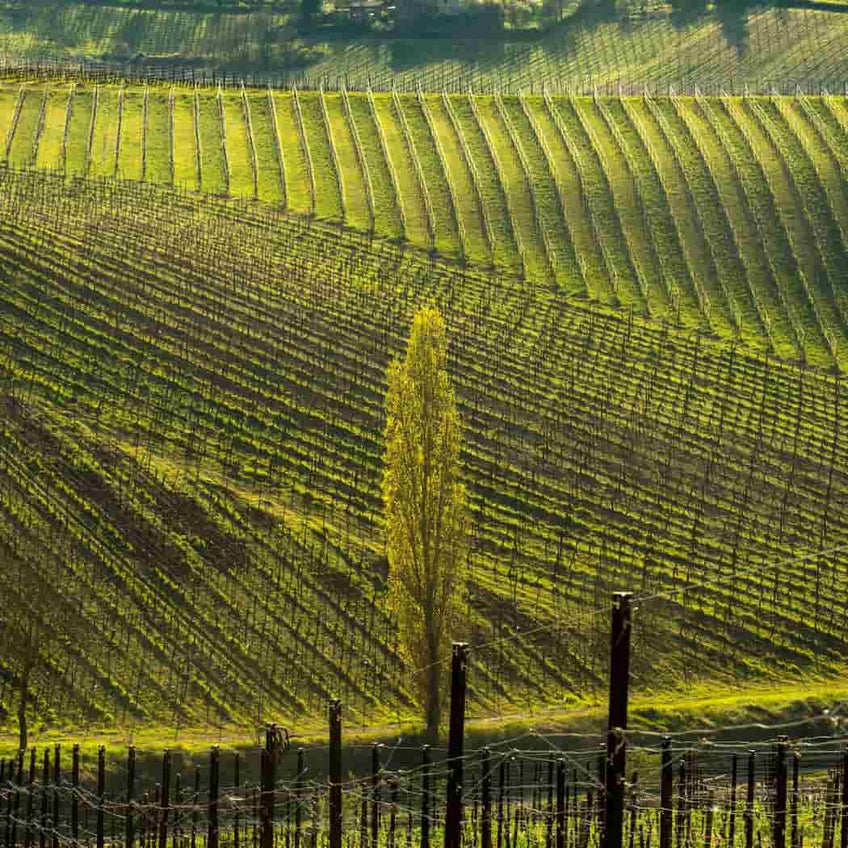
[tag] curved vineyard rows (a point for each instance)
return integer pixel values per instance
(192, 410)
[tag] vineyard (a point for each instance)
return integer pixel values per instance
(191, 453)
(724, 215)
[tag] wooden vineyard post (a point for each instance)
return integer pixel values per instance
(843, 837)
(212, 830)
(335, 778)
(30, 792)
(425, 797)
(780, 798)
(57, 774)
(560, 804)
(456, 736)
(749, 803)
(681, 804)
(165, 801)
(236, 784)
(129, 835)
(486, 820)
(666, 799)
(14, 809)
(194, 807)
(75, 765)
(549, 822)
(794, 813)
(178, 815)
(613, 832)
(375, 794)
(298, 798)
(731, 838)
(101, 794)
(45, 791)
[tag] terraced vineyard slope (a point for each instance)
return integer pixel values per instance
(191, 403)
(726, 215)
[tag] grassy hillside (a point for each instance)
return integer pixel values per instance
(726, 215)
(192, 394)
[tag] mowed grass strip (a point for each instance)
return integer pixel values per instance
(21, 150)
(129, 162)
(105, 134)
(298, 184)
(8, 101)
(579, 117)
(212, 162)
(681, 246)
(357, 214)
(519, 198)
(712, 218)
(504, 247)
(814, 196)
(77, 150)
(158, 138)
(786, 301)
(267, 162)
(185, 146)
(411, 197)
(468, 198)
(791, 212)
(549, 209)
(595, 281)
(446, 235)
(328, 200)
(387, 217)
(712, 141)
(238, 146)
(49, 153)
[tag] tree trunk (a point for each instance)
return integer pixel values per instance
(22, 721)
(434, 701)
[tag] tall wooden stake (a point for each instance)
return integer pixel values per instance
(453, 813)
(335, 773)
(130, 832)
(613, 834)
(780, 797)
(666, 795)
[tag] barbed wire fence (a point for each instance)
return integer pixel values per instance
(696, 787)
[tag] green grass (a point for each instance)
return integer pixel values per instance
(21, 149)
(158, 139)
(185, 148)
(103, 147)
(266, 141)
(357, 211)
(212, 153)
(238, 147)
(328, 201)
(297, 180)
(420, 139)
(129, 163)
(49, 154)
(411, 194)
(76, 154)
(387, 217)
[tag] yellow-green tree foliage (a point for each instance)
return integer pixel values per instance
(425, 504)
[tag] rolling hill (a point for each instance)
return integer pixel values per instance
(727, 215)
(192, 408)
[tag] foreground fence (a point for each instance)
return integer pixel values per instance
(538, 789)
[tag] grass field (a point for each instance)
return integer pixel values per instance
(724, 214)
(192, 441)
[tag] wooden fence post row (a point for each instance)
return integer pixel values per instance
(43, 806)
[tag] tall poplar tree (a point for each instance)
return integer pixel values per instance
(425, 507)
